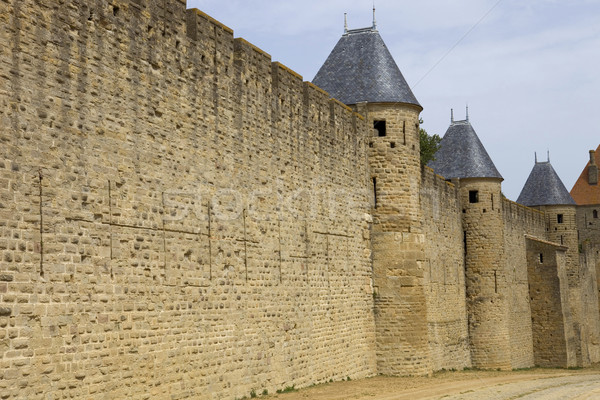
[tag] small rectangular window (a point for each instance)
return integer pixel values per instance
(473, 196)
(559, 218)
(595, 214)
(541, 258)
(380, 127)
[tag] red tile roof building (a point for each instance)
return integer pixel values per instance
(586, 190)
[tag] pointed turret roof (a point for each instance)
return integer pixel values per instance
(361, 69)
(544, 188)
(462, 155)
(584, 192)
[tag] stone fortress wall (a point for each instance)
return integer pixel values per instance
(444, 271)
(518, 222)
(182, 218)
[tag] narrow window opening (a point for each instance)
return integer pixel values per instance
(393, 145)
(465, 242)
(595, 213)
(380, 127)
(541, 258)
(492, 202)
(559, 218)
(370, 144)
(473, 196)
(404, 131)
(496, 281)
(561, 239)
(375, 192)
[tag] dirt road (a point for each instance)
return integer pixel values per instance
(552, 384)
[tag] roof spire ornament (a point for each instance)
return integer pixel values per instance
(467, 112)
(452, 115)
(548, 155)
(374, 21)
(535, 152)
(345, 23)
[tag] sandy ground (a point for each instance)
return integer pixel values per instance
(536, 383)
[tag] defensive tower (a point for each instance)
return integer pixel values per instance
(545, 191)
(361, 72)
(463, 159)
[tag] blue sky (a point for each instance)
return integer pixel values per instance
(529, 70)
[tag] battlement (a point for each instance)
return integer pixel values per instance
(184, 217)
(192, 22)
(180, 189)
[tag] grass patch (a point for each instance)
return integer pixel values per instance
(287, 389)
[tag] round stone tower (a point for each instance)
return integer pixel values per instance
(545, 191)
(361, 73)
(463, 159)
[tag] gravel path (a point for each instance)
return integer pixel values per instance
(547, 384)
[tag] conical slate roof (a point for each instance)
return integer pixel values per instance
(461, 154)
(544, 188)
(360, 68)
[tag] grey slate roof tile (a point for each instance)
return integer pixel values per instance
(462, 155)
(544, 187)
(361, 69)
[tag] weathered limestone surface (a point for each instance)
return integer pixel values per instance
(444, 273)
(562, 228)
(180, 218)
(588, 224)
(520, 221)
(398, 241)
(486, 282)
(590, 262)
(552, 324)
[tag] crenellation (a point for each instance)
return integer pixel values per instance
(181, 217)
(171, 220)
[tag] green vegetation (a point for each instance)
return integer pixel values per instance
(430, 144)
(287, 389)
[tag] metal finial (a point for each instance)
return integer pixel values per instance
(374, 21)
(548, 155)
(345, 22)
(535, 152)
(467, 113)
(451, 115)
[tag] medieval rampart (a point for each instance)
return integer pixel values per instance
(518, 222)
(444, 270)
(180, 218)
